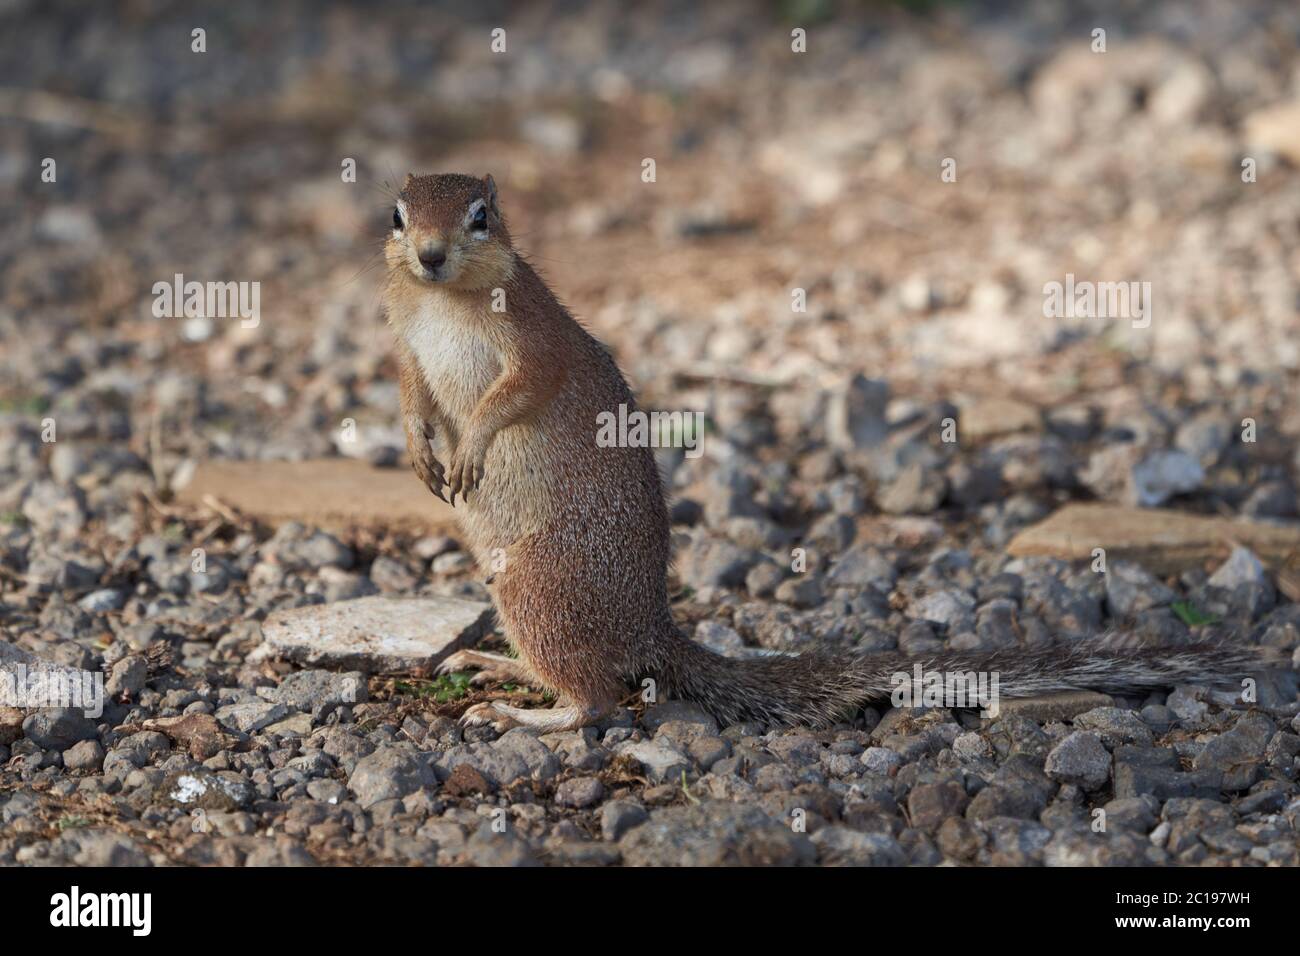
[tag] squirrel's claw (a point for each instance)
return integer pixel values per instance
(485, 714)
(466, 474)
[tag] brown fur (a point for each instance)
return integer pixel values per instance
(576, 536)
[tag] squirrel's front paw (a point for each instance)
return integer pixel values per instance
(426, 465)
(466, 469)
(429, 470)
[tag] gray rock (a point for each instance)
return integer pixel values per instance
(1079, 759)
(855, 413)
(1154, 770)
(127, 677)
(1238, 754)
(55, 510)
(721, 639)
(1158, 717)
(517, 755)
(1162, 474)
(661, 762)
(1242, 567)
(1205, 437)
(715, 834)
(916, 490)
(715, 562)
(171, 573)
(521, 745)
(105, 599)
(104, 848)
(391, 575)
(952, 609)
(579, 792)
(863, 567)
(487, 848)
(763, 579)
(389, 773)
(309, 691)
(327, 791)
(1130, 590)
(203, 789)
(619, 816)
(803, 591)
(1188, 704)
(1115, 726)
(296, 548)
(58, 728)
(1132, 813)
(88, 755)
(678, 710)
(1128, 474)
(1002, 800)
(929, 804)
(880, 760)
(796, 750)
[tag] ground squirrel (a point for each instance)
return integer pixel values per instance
(498, 376)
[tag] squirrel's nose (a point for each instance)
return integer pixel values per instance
(431, 257)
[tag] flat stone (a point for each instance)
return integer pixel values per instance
(992, 417)
(1161, 540)
(1153, 770)
(336, 493)
(295, 725)
(1047, 707)
(377, 634)
(251, 716)
(1277, 129)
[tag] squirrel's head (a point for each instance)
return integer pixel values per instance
(448, 231)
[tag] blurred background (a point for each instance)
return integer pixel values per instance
(776, 171)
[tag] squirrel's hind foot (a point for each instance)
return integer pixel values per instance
(547, 720)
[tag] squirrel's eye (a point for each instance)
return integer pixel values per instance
(480, 218)
(397, 218)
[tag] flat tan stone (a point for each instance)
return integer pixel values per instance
(335, 493)
(985, 418)
(1276, 129)
(1047, 707)
(1160, 540)
(376, 635)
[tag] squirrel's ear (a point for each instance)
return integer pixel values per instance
(491, 185)
(407, 183)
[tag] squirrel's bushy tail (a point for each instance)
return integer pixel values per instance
(817, 688)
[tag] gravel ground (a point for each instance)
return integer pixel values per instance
(829, 429)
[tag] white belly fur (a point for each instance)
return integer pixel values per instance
(458, 364)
